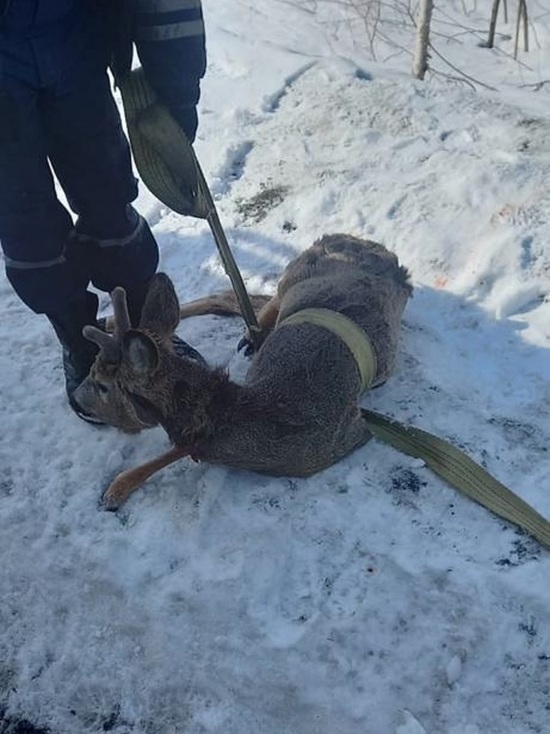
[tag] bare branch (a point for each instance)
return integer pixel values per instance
(462, 73)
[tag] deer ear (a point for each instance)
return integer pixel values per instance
(140, 353)
(161, 310)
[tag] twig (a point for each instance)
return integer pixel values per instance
(459, 80)
(462, 73)
(536, 86)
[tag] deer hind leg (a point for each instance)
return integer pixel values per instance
(221, 304)
(218, 304)
(269, 313)
(266, 309)
(225, 303)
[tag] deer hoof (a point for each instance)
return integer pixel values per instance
(246, 346)
(111, 500)
(244, 342)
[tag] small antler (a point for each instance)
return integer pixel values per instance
(122, 318)
(110, 345)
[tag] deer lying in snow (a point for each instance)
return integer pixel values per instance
(297, 411)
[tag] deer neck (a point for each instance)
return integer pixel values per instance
(203, 402)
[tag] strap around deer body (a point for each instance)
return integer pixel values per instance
(444, 459)
(348, 331)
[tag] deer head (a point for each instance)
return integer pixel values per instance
(127, 373)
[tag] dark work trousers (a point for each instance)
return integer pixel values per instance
(65, 117)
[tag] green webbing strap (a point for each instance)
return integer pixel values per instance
(349, 332)
(169, 168)
(456, 468)
(444, 459)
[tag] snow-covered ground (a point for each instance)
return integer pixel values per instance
(372, 598)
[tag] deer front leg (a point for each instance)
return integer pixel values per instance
(128, 481)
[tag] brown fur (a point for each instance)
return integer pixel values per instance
(297, 411)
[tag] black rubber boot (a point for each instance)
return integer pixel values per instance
(78, 352)
(135, 299)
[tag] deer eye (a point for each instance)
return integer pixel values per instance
(102, 388)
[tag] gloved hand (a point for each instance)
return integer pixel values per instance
(177, 84)
(187, 119)
(185, 115)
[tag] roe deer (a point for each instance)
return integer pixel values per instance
(297, 410)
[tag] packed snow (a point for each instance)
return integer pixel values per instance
(371, 598)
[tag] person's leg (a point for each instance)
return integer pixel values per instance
(34, 233)
(34, 226)
(68, 115)
(91, 158)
